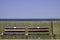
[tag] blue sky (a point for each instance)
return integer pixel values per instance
(29, 8)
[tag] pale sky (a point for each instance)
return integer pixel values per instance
(29, 9)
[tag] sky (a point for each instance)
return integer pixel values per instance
(29, 9)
